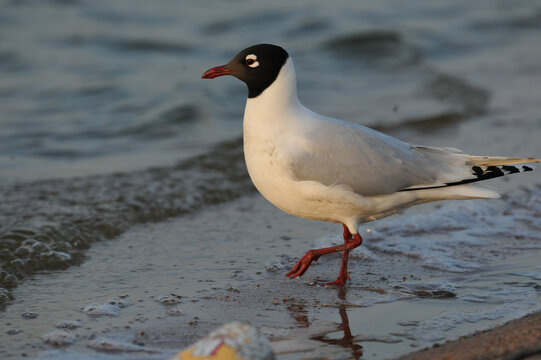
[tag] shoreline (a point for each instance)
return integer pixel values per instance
(389, 308)
(516, 339)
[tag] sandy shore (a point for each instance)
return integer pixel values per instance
(392, 305)
(435, 273)
(518, 339)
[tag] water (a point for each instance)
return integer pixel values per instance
(92, 88)
(106, 128)
(162, 286)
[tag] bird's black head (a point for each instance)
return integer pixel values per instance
(258, 66)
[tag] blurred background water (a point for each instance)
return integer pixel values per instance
(105, 122)
(94, 87)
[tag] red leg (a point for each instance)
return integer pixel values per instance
(341, 280)
(347, 234)
(354, 242)
(350, 242)
(313, 255)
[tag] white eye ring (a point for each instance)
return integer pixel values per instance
(251, 61)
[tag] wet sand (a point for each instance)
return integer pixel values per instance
(456, 75)
(384, 312)
(456, 268)
(432, 274)
(518, 339)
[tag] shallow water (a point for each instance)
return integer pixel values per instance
(111, 93)
(145, 294)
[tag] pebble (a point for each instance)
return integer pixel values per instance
(29, 315)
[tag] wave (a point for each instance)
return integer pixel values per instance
(125, 44)
(48, 224)
(382, 47)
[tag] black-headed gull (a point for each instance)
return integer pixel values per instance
(321, 168)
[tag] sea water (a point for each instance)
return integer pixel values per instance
(107, 130)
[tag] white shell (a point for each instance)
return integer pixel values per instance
(245, 340)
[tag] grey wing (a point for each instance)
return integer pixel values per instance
(370, 162)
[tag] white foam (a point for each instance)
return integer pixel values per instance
(59, 338)
(110, 308)
(278, 263)
(387, 339)
(110, 345)
(440, 238)
(118, 301)
(68, 324)
(434, 288)
(168, 299)
(96, 310)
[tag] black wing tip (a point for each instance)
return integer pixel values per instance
(510, 169)
(489, 172)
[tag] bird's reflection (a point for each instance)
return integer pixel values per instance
(300, 314)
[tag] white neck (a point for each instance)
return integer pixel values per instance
(280, 96)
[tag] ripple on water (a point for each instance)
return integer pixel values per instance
(176, 311)
(48, 224)
(377, 47)
(126, 44)
(437, 289)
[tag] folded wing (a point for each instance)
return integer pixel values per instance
(373, 163)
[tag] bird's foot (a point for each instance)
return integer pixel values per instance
(340, 281)
(351, 241)
(303, 264)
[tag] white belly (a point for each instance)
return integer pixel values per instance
(274, 127)
(271, 175)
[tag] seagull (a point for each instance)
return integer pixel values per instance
(320, 168)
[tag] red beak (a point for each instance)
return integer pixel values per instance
(215, 72)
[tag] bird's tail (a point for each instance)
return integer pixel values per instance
(482, 168)
(488, 167)
(499, 160)
(457, 192)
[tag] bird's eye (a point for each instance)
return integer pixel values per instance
(251, 61)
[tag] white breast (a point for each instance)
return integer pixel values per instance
(274, 125)
(268, 162)
(268, 126)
